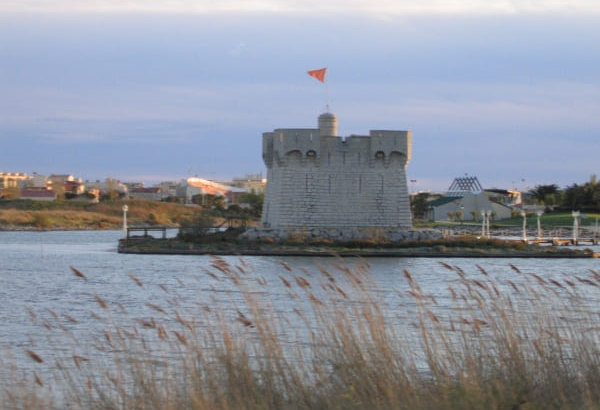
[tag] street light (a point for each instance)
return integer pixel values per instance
(483, 230)
(575, 226)
(524, 214)
(539, 226)
(125, 209)
(485, 223)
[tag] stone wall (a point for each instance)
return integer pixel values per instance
(343, 234)
(316, 181)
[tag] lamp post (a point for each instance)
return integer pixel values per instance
(575, 226)
(524, 214)
(539, 226)
(125, 209)
(483, 226)
(485, 223)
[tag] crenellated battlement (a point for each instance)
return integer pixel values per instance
(306, 147)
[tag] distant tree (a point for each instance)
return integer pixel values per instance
(208, 201)
(458, 215)
(111, 192)
(594, 186)
(255, 201)
(586, 195)
(173, 199)
(198, 225)
(545, 193)
(41, 220)
(418, 205)
(152, 219)
(234, 209)
(59, 191)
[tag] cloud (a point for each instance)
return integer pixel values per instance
(310, 7)
(503, 97)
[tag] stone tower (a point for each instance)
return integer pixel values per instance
(318, 180)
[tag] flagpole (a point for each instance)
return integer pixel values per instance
(327, 97)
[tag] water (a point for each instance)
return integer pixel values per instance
(36, 283)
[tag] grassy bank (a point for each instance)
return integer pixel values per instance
(332, 342)
(548, 221)
(23, 214)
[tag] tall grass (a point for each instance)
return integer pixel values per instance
(333, 340)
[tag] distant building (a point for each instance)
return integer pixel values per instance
(254, 182)
(40, 181)
(74, 187)
(198, 186)
(108, 185)
(508, 197)
(150, 193)
(37, 194)
(66, 183)
(168, 188)
(133, 185)
(60, 179)
(465, 200)
(13, 180)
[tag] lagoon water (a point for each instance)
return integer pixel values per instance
(37, 283)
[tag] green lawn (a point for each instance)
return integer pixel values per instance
(550, 220)
(553, 220)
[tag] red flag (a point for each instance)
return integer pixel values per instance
(318, 74)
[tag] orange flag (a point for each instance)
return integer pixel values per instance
(318, 74)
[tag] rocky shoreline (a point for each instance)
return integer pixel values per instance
(443, 248)
(362, 253)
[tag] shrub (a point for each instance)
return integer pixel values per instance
(41, 220)
(152, 220)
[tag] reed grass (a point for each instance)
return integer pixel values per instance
(333, 340)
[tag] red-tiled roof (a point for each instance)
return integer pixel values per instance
(36, 193)
(150, 190)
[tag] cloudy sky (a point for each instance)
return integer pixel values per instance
(152, 90)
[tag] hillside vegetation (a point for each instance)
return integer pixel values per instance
(26, 214)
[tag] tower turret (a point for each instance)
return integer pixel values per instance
(327, 125)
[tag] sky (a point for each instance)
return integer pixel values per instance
(154, 90)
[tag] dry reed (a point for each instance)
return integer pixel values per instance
(332, 341)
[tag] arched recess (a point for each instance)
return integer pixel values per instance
(293, 156)
(397, 157)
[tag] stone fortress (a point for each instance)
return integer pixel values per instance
(323, 186)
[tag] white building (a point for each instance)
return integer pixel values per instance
(193, 186)
(465, 200)
(108, 185)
